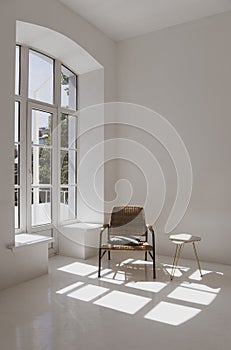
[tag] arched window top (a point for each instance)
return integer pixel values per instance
(56, 45)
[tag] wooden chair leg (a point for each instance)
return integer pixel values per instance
(154, 267)
(154, 261)
(100, 250)
(109, 255)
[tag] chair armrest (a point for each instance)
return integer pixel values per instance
(150, 228)
(104, 227)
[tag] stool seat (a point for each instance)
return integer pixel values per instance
(180, 239)
(184, 238)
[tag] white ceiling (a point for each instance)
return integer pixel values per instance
(122, 19)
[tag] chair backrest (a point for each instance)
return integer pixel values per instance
(127, 220)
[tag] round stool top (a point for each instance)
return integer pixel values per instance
(184, 238)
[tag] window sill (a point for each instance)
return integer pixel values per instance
(26, 239)
(81, 225)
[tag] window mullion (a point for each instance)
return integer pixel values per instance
(29, 169)
(24, 72)
(57, 95)
(54, 169)
(23, 136)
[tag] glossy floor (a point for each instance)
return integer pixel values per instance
(70, 308)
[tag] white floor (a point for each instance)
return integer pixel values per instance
(72, 309)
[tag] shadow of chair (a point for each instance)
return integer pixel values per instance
(127, 231)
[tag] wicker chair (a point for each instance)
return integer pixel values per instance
(127, 231)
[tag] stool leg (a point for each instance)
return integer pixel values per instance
(197, 259)
(176, 259)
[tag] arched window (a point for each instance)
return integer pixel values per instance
(45, 138)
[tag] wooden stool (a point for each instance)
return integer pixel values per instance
(180, 239)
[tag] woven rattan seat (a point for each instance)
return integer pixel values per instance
(144, 246)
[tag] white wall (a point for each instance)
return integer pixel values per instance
(184, 73)
(57, 17)
(91, 148)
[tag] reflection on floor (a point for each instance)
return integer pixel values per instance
(125, 309)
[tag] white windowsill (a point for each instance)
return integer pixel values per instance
(26, 239)
(81, 225)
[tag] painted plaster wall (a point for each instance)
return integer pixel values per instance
(184, 74)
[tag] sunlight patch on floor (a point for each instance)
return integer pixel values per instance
(125, 262)
(88, 293)
(78, 268)
(178, 271)
(142, 262)
(192, 295)
(199, 286)
(171, 314)
(154, 287)
(123, 302)
(69, 288)
(196, 275)
(102, 273)
(117, 277)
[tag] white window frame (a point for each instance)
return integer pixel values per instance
(54, 149)
(72, 114)
(26, 107)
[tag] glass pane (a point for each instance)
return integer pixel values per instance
(41, 165)
(67, 203)
(16, 164)
(68, 88)
(17, 70)
(41, 77)
(41, 125)
(16, 122)
(68, 161)
(68, 131)
(41, 206)
(17, 208)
